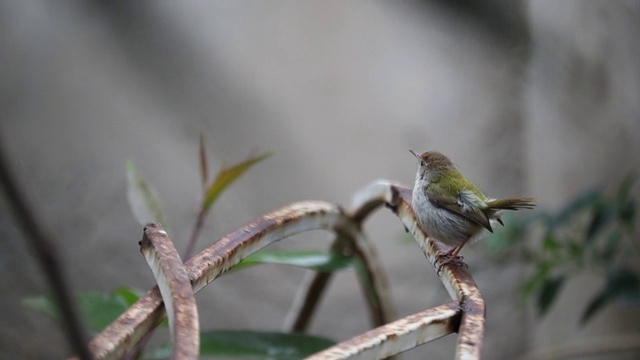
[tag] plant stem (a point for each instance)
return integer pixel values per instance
(47, 254)
(197, 229)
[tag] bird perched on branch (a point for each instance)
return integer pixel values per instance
(450, 208)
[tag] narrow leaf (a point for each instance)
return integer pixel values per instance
(44, 303)
(596, 303)
(576, 251)
(550, 290)
(625, 188)
(537, 280)
(129, 295)
(550, 243)
(98, 309)
(366, 280)
(602, 216)
(226, 176)
(101, 309)
(204, 167)
(255, 344)
(623, 286)
(585, 200)
(143, 200)
(314, 260)
(610, 246)
(627, 213)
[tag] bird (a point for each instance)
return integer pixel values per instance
(451, 209)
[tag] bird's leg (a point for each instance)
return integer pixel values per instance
(451, 256)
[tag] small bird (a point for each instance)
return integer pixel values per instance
(450, 208)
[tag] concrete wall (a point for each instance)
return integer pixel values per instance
(340, 91)
(583, 129)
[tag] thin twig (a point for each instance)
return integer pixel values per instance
(195, 234)
(47, 254)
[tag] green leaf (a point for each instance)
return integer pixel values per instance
(97, 309)
(366, 281)
(548, 293)
(627, 213)
(254, 344)
(44, 303)
(608, 251)
(130, 296)
(204, 166)
(315, 260)
(625, 188)
(550, 244)
(101, 309)
(622, 285)
(226, 176)
(626, 204)
(585, 200)
(576, 251)
(603, 214)
(537, 279)
(143, 201)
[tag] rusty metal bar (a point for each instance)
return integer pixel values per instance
(175, 288)
(458, 282)
(468, 319)
(314, 284)
(121, 335)
(125, 332)
(398, 336)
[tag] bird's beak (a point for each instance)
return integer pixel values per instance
(415, 154)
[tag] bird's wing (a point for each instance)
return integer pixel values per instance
(466, 204)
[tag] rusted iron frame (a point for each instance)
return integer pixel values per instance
(457, 280)
(175, 288)
(396, 337)
(314, 284)
(290, 220)
(310, 291)
(121, 335)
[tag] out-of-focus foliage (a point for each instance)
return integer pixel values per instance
(143, 200)
(98, 309)
(596, 233)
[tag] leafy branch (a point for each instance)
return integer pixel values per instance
(596, 232)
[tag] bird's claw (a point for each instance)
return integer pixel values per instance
(446, 257)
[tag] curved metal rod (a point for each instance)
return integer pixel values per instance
(398, 336)
(121, 335)
(456, 279)
(175, 288)
(314, 284)
(125, 332)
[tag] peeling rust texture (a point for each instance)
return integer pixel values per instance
(175, 288)
(398, 336)
(262, 231)
(124, 333)
(372, 196)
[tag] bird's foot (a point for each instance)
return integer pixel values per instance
(449, 257)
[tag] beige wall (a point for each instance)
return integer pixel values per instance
(583, 129)
(340, 91)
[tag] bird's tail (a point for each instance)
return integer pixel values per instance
(509, 204)
(512, 204)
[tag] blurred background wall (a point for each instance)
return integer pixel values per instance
(532, 98)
